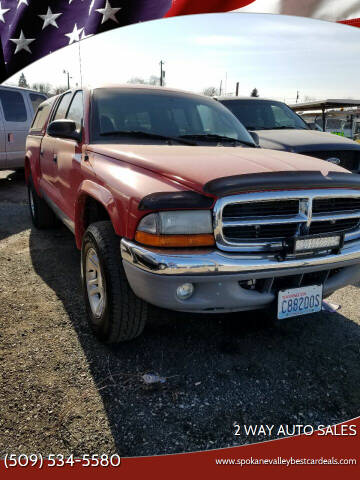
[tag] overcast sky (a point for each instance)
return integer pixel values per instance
(276, 54)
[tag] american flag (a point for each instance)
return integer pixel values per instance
(31, 29)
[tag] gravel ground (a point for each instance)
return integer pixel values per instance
(63, 392)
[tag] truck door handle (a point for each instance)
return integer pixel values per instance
(55, 158)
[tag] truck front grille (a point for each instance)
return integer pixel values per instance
(331, 205)
(349, 159)
(333, 226)
(261, 231)
(261, 221)
(284, 207)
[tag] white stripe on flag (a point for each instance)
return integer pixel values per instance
(334, 10)
(262, 6)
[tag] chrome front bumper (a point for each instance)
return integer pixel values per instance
(214, 261)
(155, 275)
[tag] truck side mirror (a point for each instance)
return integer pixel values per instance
(63, 129)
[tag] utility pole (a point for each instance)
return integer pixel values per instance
(66, 72)
(237, 89)
(162, 74)
(220, 88)
(297, 96)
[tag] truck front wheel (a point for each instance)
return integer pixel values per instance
(114, 312)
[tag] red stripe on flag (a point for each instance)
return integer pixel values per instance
(355, 22)
(186, 7)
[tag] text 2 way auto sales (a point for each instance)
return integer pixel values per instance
(291, 430)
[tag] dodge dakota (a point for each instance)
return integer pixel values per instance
(172, 204)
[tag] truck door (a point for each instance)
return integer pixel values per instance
(48, 156)
(17, 115)
(69, 154)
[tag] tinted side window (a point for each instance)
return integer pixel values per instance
(36, 99)
(76, 110)
(41, 117)
(62, 107)
(13, 106)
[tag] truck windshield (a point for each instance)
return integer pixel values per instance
(264, 114)
(152, 116)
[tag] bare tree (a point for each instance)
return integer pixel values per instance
(42, 87)
(59, 89)
(137, 80)
(210, 91)
(154, 80)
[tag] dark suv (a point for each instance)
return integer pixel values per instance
(277, 127)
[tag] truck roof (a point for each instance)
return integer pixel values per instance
(254, 99)
(14, 87)
(132, 86)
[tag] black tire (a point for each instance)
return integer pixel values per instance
(122, 314)
(41, 214)
(20, 173)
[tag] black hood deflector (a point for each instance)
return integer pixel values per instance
(280, 181)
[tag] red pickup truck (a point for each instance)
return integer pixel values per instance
(172, 204)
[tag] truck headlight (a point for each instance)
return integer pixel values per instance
(176, 229)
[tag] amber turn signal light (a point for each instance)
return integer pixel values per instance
(200, 240)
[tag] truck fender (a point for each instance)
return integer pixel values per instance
(88, 188)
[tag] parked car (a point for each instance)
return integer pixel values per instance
(357, 130)
(277, 127)
(339, 126)
(172, 204)
(345, 124)
(17, 108)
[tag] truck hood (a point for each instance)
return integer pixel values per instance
(194, 167)
(304, 140)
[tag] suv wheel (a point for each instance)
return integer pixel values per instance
(115, 313)
(41, 214)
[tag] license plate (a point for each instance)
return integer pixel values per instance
(299, 301)
(304, 244)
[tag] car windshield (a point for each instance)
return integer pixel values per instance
(152, 116)
(264, 114)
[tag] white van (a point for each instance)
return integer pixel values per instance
(17, 109)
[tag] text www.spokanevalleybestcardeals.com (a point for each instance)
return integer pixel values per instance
(285, 461)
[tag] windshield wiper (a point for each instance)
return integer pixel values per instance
(217, 138)
(140, 133)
